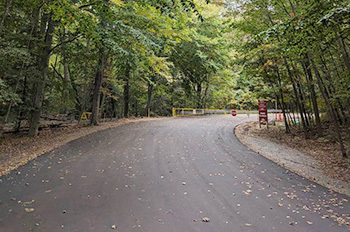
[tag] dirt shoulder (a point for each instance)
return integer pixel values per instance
(17, 150)
(316, 160)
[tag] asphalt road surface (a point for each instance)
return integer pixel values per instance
(165, 176)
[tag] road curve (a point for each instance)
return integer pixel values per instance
(164, 176)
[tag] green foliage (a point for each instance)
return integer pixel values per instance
(296, 52)
(170, 53)
(7, 95)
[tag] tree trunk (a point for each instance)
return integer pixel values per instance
(282, 102)
(149, 98)
(136, 108)
(114, 113)
(127, 91)
(313, 96)
(329, 109)
(290, 75)
(199, 95)
(33, 33)
(205, 95)
(66, 77)
(297, 101)
(327, 72)
(103, 103)
(44, 68)
(95, 116)
(301, 95)
(85, 92)
(302, 104)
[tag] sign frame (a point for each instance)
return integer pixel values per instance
(263, 114)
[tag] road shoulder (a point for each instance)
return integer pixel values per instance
(289, 158)
(18, 151)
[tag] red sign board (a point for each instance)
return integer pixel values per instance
(234, 113)
(263, 116)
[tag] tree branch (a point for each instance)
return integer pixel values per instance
(59, 74)
(87, 5)
(64, 42)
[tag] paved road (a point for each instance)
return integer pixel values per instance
(164, 176)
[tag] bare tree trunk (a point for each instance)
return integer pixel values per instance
(311, 87)
(149, 98)
(302, 104)
(282, 102)
(66, 77)
(127, 91)
(114, 113)
(97, 90)
(297, 101)
(136, 108)
(199, 95)
(102, 104)
(301, 95)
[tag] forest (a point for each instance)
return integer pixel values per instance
(123, 58)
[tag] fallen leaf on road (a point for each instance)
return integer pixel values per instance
(29, 210)
(27, 202)
(206, 219)
(247, 192)
(310, 223)
(114, 227)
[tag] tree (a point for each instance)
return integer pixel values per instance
(291, 46)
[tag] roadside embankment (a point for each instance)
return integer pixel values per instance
(315, 160)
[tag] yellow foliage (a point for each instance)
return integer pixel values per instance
(117, 2)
